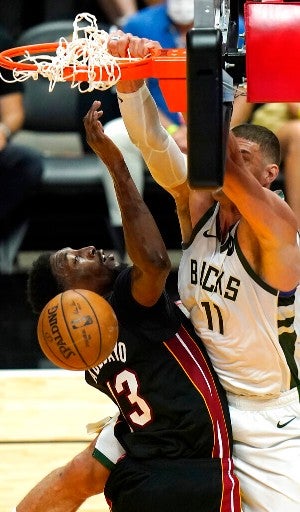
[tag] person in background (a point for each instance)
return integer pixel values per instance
(241, 27)
(19, 17)
(114, 12)
(20, 168)
(167, 23)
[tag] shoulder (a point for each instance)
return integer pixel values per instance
(202, 204)
(205, 227)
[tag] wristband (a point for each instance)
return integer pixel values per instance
(172, 128)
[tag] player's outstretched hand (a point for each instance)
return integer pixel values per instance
(99, 142)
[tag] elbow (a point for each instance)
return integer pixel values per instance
(161, 263)
(156, 262)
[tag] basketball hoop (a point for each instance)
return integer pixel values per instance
(85, 62)
(125, 69)
(167, 65)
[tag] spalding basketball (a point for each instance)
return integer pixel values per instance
(77, 329)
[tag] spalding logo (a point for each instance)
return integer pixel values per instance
(57, 338)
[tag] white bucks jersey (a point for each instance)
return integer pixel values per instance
(249, 328)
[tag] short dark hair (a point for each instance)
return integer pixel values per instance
(42, 285)
(265, 138)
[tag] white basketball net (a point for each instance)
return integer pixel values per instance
(88, 47)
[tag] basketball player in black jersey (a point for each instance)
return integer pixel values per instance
(174, 423)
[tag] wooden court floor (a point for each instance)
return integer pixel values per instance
(43, 417)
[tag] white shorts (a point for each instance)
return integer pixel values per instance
(266, 451)
(108, 449)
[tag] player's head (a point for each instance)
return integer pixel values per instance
(86, 268)
(181, 12)
(265, 138)
(260, 149)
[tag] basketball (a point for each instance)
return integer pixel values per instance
(77, 329)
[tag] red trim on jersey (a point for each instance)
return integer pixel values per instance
(231, 501)
(187, 353)
(189, 356)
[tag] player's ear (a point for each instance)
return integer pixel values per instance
(271, 173)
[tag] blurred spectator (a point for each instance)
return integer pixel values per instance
(167, 23)
(20, 17)
(284, 120)
(115, 11)
(20, 168)
(17, 16)
(241, 29)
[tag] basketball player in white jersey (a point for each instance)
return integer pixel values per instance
(238, 278)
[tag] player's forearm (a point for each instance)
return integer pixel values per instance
(242, 110)
(160, 152)
(128, 86)
(143, 240)
(50, 495)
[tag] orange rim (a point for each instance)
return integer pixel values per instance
(163, 63)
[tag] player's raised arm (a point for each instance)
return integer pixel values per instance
(162, 155)
(144, 244)
(268, 227)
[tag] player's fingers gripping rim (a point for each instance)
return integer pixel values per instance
(118, 43)
(142, 47)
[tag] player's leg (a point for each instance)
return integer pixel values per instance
(266, 441)
(67, 487)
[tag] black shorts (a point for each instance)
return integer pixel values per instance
(167, 485)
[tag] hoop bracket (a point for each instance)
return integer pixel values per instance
(205, 113)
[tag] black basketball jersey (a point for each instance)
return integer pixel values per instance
(160, 377)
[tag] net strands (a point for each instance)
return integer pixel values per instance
(84, 58)
(58, 68)
(86, 62)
